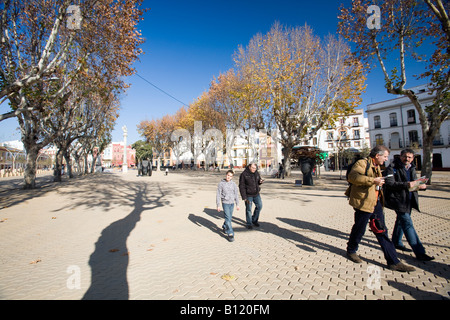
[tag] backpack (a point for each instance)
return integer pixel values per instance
(349, 168)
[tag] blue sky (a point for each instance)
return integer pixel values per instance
(190, 42)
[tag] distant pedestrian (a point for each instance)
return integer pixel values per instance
(402, 200)
(280, 171)
(228, 195)
(167, 171)
(139, 167)
(366, 197)
(249, 187)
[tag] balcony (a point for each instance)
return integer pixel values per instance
(413, 143)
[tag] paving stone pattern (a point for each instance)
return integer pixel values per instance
(119, 236)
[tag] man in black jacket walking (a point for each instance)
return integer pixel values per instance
(249, 187)
(399, 198)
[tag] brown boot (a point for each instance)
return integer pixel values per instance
(354, 257)
(401, 267)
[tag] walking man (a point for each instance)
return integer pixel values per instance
(249, 187)
(399, 198)
(366, 197)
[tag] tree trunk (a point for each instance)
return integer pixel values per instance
(427, 162)
(68, 164)
(287, 160)
(94, 160)
(86, 164)
(30, 168)
(58, 166)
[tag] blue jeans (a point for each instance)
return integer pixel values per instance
(404, 224)
(228, 211)
(248, 209)
(359, 228)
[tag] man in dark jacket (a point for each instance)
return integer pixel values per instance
(249, 187)
(398, 197)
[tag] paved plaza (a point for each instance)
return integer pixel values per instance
(119, 236)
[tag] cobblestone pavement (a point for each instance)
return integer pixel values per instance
(119, 236)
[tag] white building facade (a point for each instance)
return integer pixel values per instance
(350, 132)
(395, 123)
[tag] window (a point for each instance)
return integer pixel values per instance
(395, 141)
(413, 137)
(379, 139)
(356, 134)
(393, 119)
(330, 145)
(343, 135)
(330, 135)
(355, 122)
(377, 122)
(411, 116)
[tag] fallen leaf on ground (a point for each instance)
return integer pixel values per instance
(35, 261)
(113, 250)
(228, 277)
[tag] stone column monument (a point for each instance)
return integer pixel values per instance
(125, 164)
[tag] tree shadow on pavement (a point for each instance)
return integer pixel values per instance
(12, 192)
(109, 261)
(416, 293)
(314, 227)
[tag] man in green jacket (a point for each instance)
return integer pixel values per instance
(366, 197)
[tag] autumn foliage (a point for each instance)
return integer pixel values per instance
(59, 79)
(410, 32)
(286, 80)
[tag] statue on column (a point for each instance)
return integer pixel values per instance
(125, 164)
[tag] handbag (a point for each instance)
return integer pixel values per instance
(376, 225)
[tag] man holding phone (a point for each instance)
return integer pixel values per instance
(249, 187)
(366, 198)
(399, 196)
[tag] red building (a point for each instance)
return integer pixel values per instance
(117, 155)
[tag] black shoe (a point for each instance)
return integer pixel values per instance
(231, 237)
(403, 248)
(249, 227)
(424, 257)
(256, 224)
